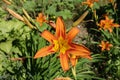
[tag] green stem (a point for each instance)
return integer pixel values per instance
(74, 72)
(95, 17)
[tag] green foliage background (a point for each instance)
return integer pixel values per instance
(17, 40)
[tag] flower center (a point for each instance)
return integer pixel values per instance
(107, 25)
(61, 45)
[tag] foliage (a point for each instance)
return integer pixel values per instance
(19, 42)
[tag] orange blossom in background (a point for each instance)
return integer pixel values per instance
(107, 24)
(90, 2)
(105, 45)
(42, 18)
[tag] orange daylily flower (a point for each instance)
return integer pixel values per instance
(107, 24)
(62, 43)
(42, 18)
(90, 2)
(105, 45)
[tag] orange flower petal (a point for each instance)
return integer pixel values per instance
(72, 33)
(48, 36)
(116, 25)
(110, 30)
(111, 20)
(64, 61)
(60, 28)
(79, 47)
(73, 61)
(107, 18)
(102, 45)
(79, 51)
(102, 23)
(44, 51)
(90, 2)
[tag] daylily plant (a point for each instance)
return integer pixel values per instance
(90, 3)
(105, 45)
(62, 43)
(107, 24)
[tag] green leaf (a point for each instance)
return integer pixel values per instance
(106, 34)
(118, 72)
(6, 46)
(10, 69)
(29, 5)
(82, 76)
(65, 14)
(2, 13)
(51, 10)
(41, 28)
(7, 26)
(2, 37)
(96, 5)
(116, 41)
